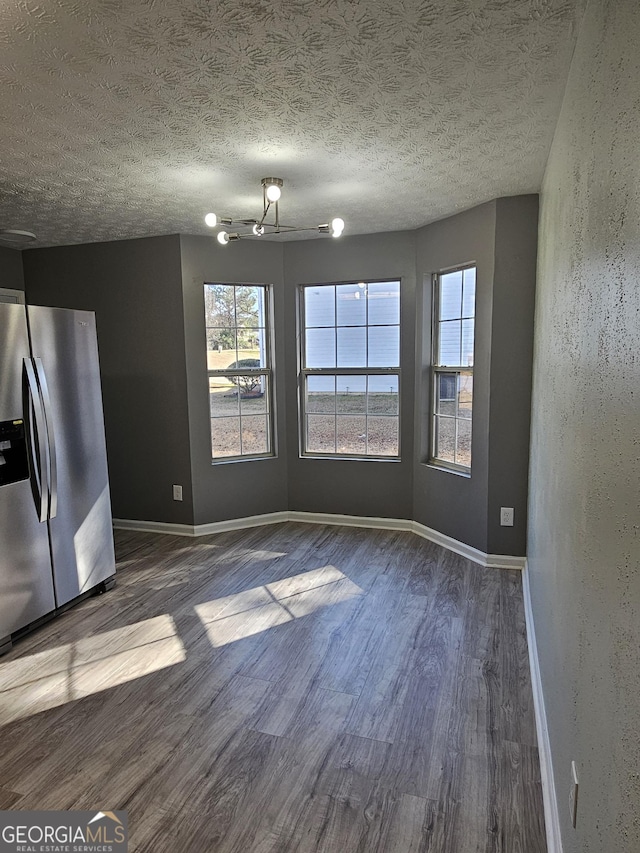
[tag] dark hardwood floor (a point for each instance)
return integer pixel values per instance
(284, 688)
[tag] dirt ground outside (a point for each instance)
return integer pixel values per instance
(350, 424)
(453, 435)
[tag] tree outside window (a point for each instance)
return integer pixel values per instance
(239, 368)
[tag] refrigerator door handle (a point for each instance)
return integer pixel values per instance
(39, 457)
(53, 464)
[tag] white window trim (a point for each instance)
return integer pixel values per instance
(437, 370)
(305, 372)
(266, 371)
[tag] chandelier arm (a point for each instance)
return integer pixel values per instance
(284, 229)
(267, 205)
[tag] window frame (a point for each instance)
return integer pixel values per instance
(305, 372)
(438, 370)
(267, 372)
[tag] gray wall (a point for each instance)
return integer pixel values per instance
(451, 503)
(149, 300)
(500, 237)
(370, 487)
(584, 544)
(250, 487)
(11, 274)
(134, 286)
(514, 289)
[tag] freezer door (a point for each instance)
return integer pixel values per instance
(26, 583)
(80, 523)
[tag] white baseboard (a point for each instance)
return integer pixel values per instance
(240, 523)
(489, 561)
(551, 816)
(504, 561)
(350, 520)
(155, 527)
(200, 529)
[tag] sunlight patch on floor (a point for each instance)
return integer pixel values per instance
(244, 614)
(53, 677)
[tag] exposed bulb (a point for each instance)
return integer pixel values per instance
(258, 230)
(211, 220)
(223, 238)
(337, 226)
(273, 192)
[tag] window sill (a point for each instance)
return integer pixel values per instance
(459, 472)
(336, 458)
(231, 459)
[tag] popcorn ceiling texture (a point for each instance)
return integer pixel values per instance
(127, 119)
(584, 541)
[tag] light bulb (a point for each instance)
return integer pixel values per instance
(223, 238)
(211, 220)
(258, 230)
(273, 192)
(337, 226)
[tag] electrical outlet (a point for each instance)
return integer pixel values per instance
(506, 516)
(573, 795)
(177, 493)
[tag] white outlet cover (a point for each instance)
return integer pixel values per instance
(506, 516)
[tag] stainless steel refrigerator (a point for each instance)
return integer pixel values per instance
(56, 539)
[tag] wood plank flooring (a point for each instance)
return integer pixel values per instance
(285, 689)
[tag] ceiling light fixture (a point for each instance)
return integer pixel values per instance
(16, 238)
(271, 192)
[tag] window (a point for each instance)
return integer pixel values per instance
(453, 339)
(239, 365)
(351, 369)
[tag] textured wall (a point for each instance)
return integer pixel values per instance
(584, 541)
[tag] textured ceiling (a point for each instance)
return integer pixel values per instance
(127, 119)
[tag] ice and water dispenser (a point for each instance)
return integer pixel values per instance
(14, 464)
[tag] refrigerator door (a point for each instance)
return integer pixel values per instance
(65, 354)
(26, 583)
